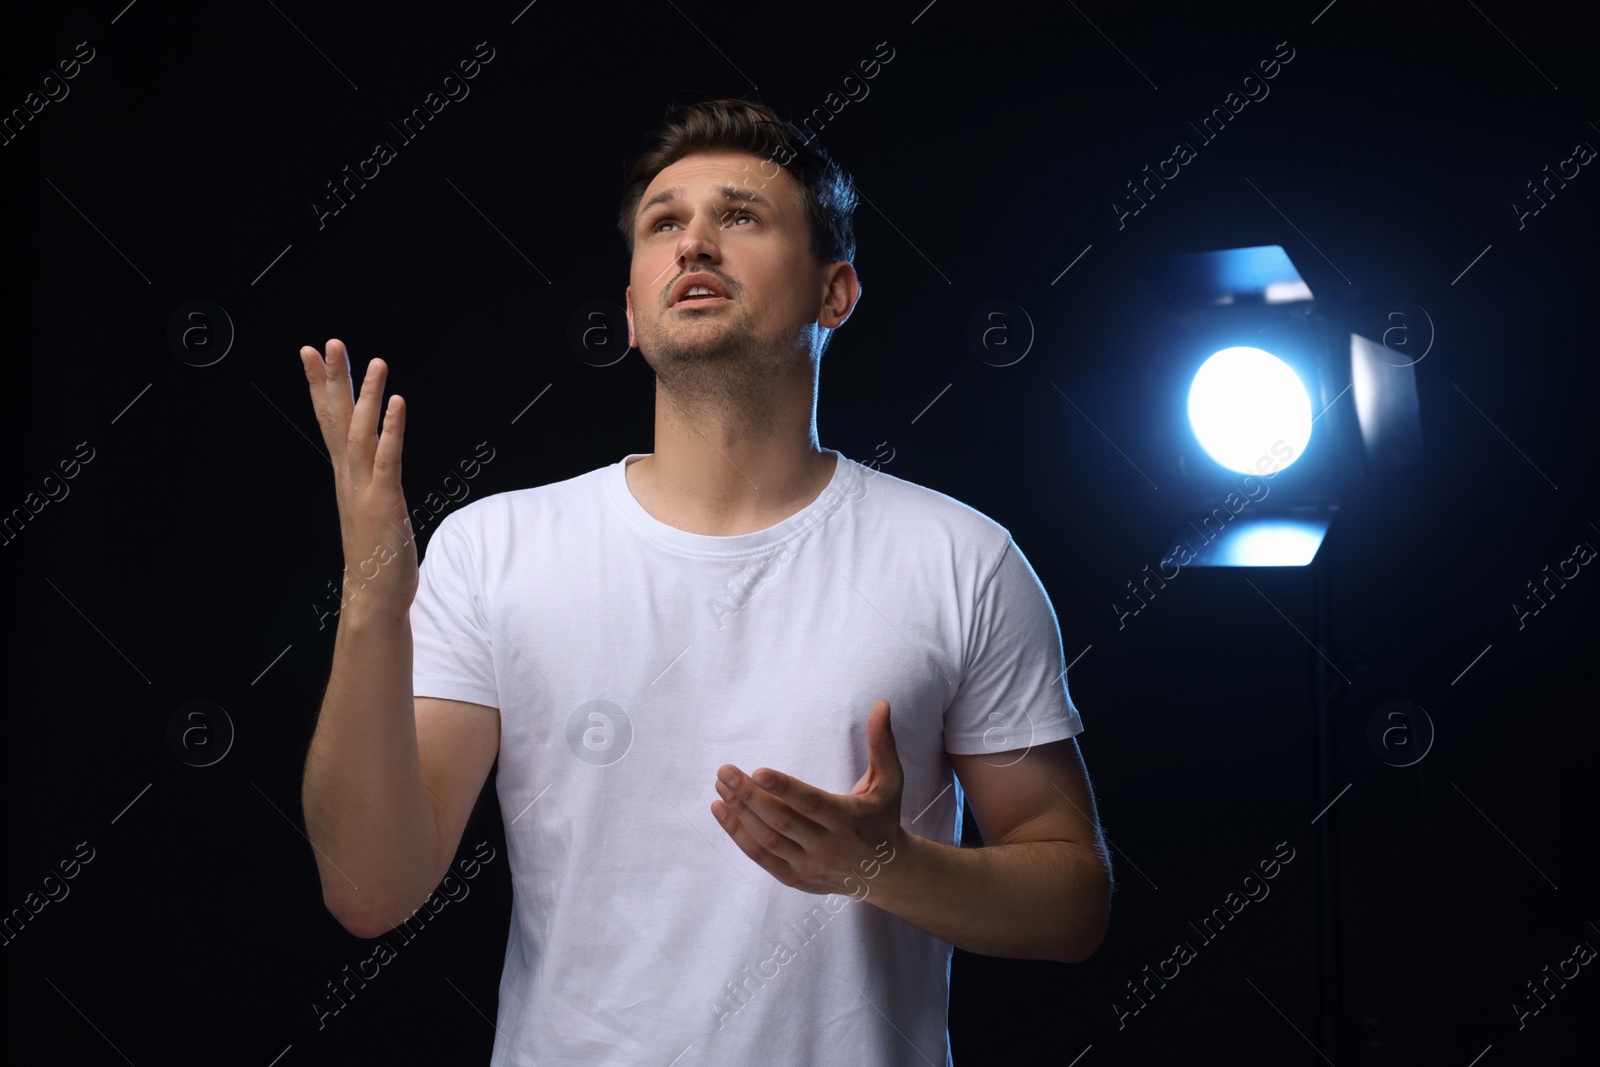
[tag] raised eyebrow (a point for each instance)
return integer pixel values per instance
(728, 192)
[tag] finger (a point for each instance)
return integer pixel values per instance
(386, 460)
(362, 441)
(808, 802)
(317, 378)
(338, 393)
(774, 825)
(883, 759)
(742, 820)
(765, 859)
(888, 751)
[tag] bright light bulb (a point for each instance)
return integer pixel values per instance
(1250, 411)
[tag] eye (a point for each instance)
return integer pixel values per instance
(656, 226)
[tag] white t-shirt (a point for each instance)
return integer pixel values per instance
(630, 659)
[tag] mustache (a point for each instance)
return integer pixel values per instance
(727, 286)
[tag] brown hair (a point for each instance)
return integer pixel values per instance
(730, 125)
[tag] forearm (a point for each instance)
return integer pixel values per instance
(367, 809)
(1028, 900)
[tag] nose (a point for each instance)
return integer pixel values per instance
(698, 242)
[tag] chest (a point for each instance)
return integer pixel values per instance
(635, 674)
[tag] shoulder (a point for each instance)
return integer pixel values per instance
(930, 517)
(491, 516)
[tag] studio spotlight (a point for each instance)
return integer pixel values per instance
(1242, 402)
(1277, 355)
(1253, 379)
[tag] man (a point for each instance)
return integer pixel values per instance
(727, 681)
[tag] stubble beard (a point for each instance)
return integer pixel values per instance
(724, 372)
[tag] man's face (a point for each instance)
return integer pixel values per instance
(727, 216)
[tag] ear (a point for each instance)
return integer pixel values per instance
(841, 289)
(627, 299)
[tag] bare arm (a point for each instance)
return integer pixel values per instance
(1039, 888)
(367, 810)
(389, 780)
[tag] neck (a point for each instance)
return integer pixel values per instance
(723, 469)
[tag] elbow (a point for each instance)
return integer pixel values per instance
(356, 923)
(364, 913)
(1089, 920)
(365, 931)
(365, 927)
(1086, 937)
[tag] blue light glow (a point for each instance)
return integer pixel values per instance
(1272, 543)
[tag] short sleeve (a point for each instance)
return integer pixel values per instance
(1013, 693)
(452, 655)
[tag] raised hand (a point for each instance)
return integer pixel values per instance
(380, 554)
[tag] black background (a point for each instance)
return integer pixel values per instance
(191, 556)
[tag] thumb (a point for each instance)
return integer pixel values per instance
(883, 761)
